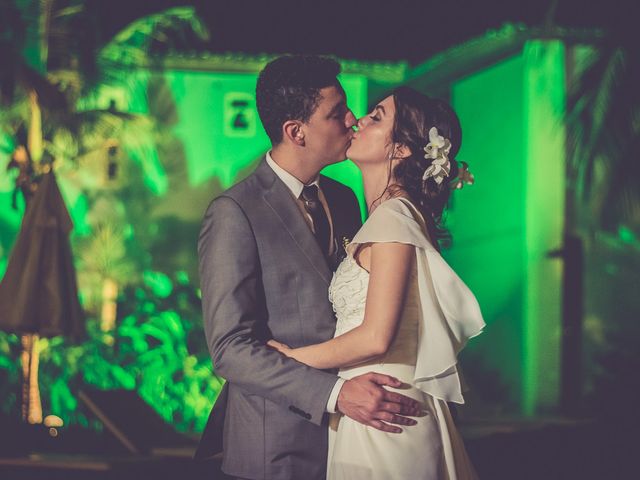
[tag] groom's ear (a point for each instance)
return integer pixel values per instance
(292, 130)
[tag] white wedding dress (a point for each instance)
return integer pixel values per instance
(440, 314)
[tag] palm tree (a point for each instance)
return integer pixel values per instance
(42, 95)
(604, 149)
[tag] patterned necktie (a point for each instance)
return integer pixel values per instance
(319, 218)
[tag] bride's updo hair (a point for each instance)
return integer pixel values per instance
(415, 115)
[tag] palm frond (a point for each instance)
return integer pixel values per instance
(602, 119)
(131, 47)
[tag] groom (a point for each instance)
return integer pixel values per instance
(267, 249)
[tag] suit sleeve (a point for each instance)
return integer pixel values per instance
(233, 318)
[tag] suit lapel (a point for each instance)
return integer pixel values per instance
(281, 201)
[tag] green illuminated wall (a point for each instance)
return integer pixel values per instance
(506, 223)
(200, 111)
(545, 186)
(486, 219)
(208, 138)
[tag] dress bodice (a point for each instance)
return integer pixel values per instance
(348, 294)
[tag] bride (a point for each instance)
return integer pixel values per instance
(401, 310)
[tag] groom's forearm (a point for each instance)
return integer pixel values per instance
(261, 371)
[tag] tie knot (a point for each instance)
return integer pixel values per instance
(310, 193)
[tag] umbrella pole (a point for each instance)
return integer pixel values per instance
(31, 404)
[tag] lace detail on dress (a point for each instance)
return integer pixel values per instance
(348, 294)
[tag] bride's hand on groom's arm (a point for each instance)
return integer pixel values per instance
(363, 399)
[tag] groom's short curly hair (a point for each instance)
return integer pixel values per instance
(289, 87)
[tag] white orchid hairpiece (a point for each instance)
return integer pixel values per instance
(437, 150)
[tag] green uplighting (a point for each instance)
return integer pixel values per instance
(504, 226)
(212, 117)
(544, 199)
(486, 219)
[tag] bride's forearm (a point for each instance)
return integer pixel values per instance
(356, 346)
(388, 279)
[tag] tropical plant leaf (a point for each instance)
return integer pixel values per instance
(604, 153)
(131, 47)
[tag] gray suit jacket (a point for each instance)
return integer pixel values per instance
(263, 276)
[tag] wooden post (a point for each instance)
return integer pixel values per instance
(31, 404)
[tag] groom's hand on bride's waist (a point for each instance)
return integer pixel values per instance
(363, 399)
